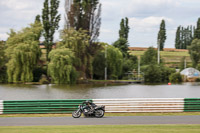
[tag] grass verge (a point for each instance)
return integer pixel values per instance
(104, 129)
(106, 114)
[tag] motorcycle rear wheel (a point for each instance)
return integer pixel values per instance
(99, 113)
(76, 114)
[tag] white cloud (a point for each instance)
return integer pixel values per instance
(20, 4)
(145, 17)
(148, 24)
(3, 36)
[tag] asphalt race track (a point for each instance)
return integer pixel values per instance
(117, 120)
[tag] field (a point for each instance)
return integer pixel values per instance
(104, 129)
(171, 58)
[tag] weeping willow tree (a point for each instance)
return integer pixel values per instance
(77, 41)
(109, 57)
(23, 53)
(114, 62)
(61, 67)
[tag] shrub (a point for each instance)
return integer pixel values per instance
(176, 78)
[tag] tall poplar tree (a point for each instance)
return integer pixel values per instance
(184, 37)
(124, 29)
(177, 40)
(85, 15)
(162, 35)
(122, 42)
(197, 30)
(50, 20)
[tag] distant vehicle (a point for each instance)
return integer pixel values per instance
(89, 109)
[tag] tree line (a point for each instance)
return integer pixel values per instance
(79, 55)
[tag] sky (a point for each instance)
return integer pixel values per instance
(144, 18)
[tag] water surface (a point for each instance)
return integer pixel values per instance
(85, 91)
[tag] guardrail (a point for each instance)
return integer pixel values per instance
(41, 106)
(112, 105)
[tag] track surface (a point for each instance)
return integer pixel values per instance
(121, 120)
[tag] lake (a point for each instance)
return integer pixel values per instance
(97, 91)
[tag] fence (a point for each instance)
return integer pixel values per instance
(112, 105)
(41, 106)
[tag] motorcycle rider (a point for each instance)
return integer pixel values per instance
(89, 105)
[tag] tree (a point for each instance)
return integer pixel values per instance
(122, 42)
(162, 35)
(61, 67)
(23, 53)
(154, 73)
(194, 51)
(122, 45)
(113, 62)
(77, 41)
(2, 54)
(129, 65)
(149, 57)
(124, 29)
(85, 15)
(177, 40)
(50, 20)
(197, 30)
(37, 18)
(175, 78)
(3, 76)
(99, 65)
(184, 37)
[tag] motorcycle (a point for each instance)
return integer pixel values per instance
(89, 111)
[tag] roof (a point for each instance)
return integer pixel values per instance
(191, 72)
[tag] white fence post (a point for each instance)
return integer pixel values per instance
(1, 106)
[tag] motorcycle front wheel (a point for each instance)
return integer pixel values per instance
(99, 113)
(76, 114)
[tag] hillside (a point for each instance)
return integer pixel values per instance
(172, 57)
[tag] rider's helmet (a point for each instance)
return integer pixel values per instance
(88, 102)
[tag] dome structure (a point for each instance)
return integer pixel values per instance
(191, 72)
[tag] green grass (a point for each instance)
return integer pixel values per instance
(106, 114)
(163, 53)
(104, 129)
(172, 59)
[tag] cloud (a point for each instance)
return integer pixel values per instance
(145, 17)
(18, 14)
(3, 36)
(148, 23)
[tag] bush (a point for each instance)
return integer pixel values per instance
(156, 73)
(176, 78)
(152, 74)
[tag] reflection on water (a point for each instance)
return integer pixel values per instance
(97, 91)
